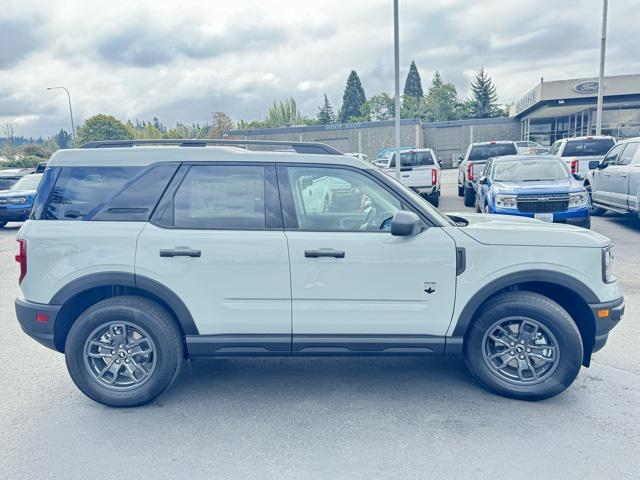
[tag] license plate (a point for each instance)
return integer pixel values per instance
(545, 217)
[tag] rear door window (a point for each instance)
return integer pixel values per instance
(588, 147)
(483, 152)
(629, 153)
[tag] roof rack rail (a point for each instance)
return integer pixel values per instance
(298, 147)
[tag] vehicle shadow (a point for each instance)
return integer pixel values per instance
(625, 220)
(292, 379)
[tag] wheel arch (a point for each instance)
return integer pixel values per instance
(570, 293)
(83, 292)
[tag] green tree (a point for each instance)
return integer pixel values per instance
(283, 114)
(379, 107)
(485, 96)
(33, 150)
(103, 127)
(441, 102)
(353, 98)
(63, 139)
(325, 112)
(413, 84)
(220, 123)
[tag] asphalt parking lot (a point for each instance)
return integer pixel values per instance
(325, 418)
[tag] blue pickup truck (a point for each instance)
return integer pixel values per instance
(539, 187)
(16, 203)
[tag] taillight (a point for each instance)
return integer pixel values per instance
(434, 176)
(470, 172)
(21, 258)
(575, 165)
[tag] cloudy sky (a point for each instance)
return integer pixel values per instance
(181, 60)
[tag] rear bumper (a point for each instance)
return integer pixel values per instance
(425, 190)
(31, 317)
(607, 316)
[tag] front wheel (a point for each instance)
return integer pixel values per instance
(523, 345)
(593, 210)
(124, 351)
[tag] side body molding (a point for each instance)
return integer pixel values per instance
(124, 279)
(528, 276)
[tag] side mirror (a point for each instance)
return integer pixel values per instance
(406, 224)
(483, 180)
(593, 164)
(460, 157)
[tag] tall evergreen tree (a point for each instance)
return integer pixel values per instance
(353, 98)
(485, 96)
(325, 112)
(413, 84)
(441, 101)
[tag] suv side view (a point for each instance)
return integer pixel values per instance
(140, 254)
(614, 182)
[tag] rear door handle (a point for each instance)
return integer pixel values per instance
(180, 252)
(323, 253)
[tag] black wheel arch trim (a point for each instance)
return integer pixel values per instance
(527, 276)
(129, 279)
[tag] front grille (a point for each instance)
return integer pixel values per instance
(542, 203)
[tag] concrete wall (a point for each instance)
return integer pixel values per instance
(365, 137)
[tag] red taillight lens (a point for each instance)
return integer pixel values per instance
(21, 258)
(470, 172)
(575, 165)
(434, 176)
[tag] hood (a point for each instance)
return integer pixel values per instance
(565, 185)
(524, 231)
(17, 193)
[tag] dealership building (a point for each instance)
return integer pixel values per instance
(550, 111)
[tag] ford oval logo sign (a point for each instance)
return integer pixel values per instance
(590, 86)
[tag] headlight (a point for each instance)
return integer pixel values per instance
(607, 265)
(17, 200)
(578, 199)
(506, 201)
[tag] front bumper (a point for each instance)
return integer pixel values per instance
(14, 214)
(38, 320)
(572, 216)
(607, 316)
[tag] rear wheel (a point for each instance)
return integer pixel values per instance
(469, 197)
(434, 199)
(593, 209)
(124, 351)
(460, 191)
(523, 345)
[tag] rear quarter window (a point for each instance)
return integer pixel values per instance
(79, 190)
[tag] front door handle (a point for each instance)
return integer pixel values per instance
(180, 252)
(323, 253)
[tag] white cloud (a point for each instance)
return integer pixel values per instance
(182, 59)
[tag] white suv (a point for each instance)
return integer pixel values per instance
(138, 256)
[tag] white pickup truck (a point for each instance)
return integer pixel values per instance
(419, 170)
(577, 152)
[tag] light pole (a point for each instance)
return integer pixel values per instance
(396, 53)
(603, 46)
(73, 128)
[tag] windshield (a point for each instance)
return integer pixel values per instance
(28, 182)
(529, 171)
(588, 147)
(424, 204)
(483, 152)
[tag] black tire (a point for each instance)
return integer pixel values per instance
(460, 191)
(536, 307)
(469, 197)
(597, 211)
(139, 312)
(3, 224)
(434, 199)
